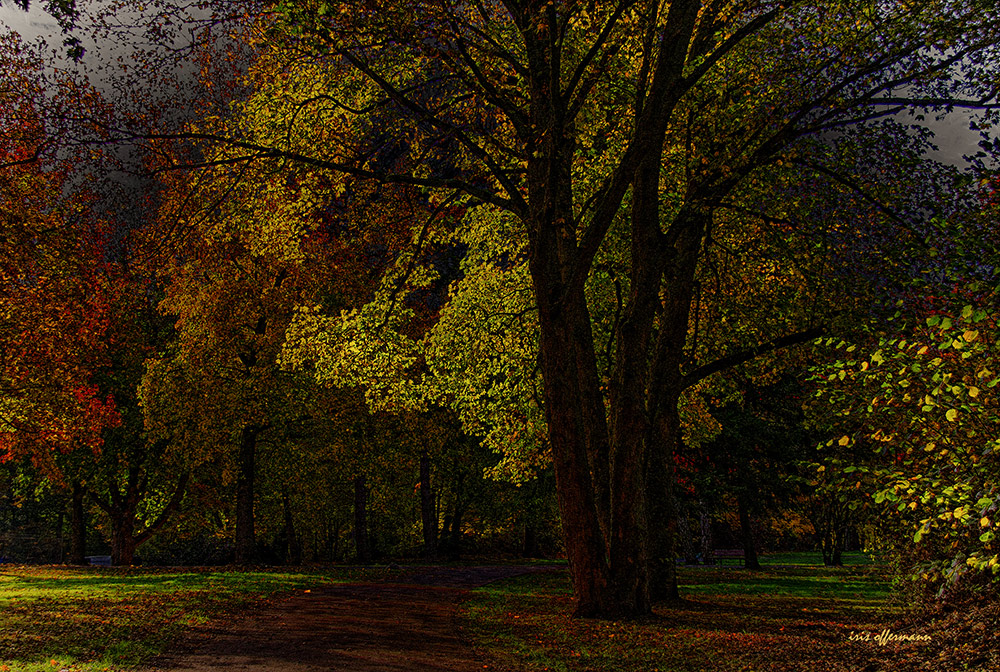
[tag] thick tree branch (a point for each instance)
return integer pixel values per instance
(262, 152)
(515, 201)
(517, 116)
(744, 356)
(649, 131)
(856, 188)
(745, 31)
(172, 505)
(588, 58)
(103, 504)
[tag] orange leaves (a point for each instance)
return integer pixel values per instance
(54, 296)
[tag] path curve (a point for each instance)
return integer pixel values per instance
(402, 624)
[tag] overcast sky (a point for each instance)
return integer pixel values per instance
(952, 135)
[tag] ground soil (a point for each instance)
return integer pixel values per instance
(403, 624)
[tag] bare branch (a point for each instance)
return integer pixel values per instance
(515, 202)
(749, 354)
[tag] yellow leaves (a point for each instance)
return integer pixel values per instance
(358, 348)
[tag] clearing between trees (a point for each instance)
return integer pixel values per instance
(792, 615)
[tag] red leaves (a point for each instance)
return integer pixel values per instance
(54, 291)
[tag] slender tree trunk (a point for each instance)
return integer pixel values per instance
(529, 548)
(428, 515)
(361, 544)
(837, 534)
(687, 540)
(335, 543)
(829, 530)
(750, 559)
(707, 544)
(60, 525)
(246, 538)
(293, 550)
(77, 526)
(456, 528)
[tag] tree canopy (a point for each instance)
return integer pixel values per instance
(568, 222)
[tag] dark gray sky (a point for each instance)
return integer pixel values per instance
(952, 135)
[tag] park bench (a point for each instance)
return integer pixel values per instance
(723, 554)
(99, 560)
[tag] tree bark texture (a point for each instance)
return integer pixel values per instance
(122, 539)
(293, 549)
(428, 514)
(362, 547)
(77, 526)
(750, 560)
(707, 544)
(246, 537)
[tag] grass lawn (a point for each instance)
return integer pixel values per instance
(794, 617)
(92, 619)
(814, 558)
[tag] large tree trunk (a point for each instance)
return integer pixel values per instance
(362, 547)
(660, 486)
(122, 538)
(77, 526)
(683, 249)
(246, 538)
(428, 515)
(601, 467)
(565, 336)
(121, 508)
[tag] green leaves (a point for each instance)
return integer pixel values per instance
(929, 392)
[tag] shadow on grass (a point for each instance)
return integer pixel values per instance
(788, 618)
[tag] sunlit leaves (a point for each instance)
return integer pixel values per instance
(936, 428)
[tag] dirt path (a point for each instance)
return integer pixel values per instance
(403, 624)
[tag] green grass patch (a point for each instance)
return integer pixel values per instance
(788, 618)
(815, 559)
(867, 588)
(95, 619)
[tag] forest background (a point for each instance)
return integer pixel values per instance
(315, 281)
